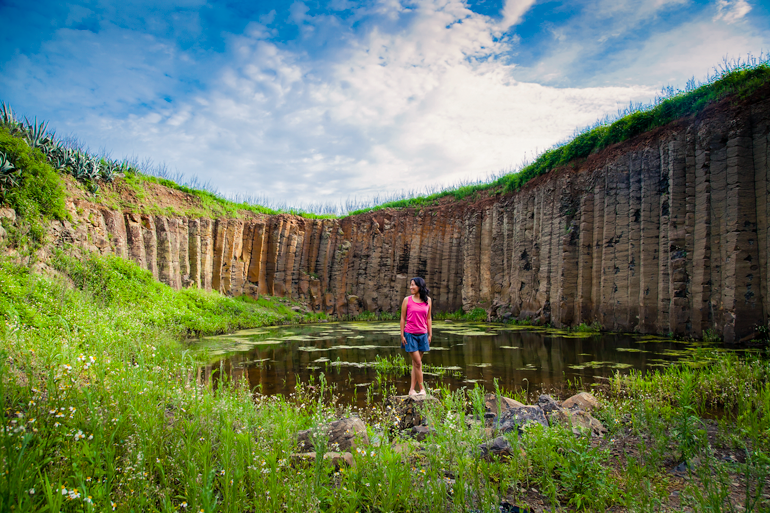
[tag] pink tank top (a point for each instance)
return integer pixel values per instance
(416, 317)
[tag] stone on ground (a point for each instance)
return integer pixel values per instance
(582, 401)
(342, 435)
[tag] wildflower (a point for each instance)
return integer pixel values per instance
(114, 506)
(88, 479)
(91, 436)
(56, 424)
(184, 505)
(31, 491)
(79, 435)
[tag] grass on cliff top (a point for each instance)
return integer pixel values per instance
(739, 79)
(211, 205)
(102, 409)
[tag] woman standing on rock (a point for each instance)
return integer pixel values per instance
(416, 329)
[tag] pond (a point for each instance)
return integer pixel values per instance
(353, 355)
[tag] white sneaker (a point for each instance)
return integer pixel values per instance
(423, 392)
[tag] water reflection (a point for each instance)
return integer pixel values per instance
(273, 359)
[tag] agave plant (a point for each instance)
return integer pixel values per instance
(8, 118)
(35, 134)
(10, 175)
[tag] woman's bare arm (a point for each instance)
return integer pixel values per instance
(403, 319)
(430, 320)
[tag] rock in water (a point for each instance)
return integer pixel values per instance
(341, 435)
(582, 401)
(519, 417)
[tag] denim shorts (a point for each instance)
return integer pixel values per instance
(416, 342)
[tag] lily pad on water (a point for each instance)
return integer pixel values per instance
(321, 360)
(621, 366)
(311, 349)
(357, 336)
(510, 347)
(480, 365)
(582, 334)
(349, 364)
(438, 348)
(630, 350)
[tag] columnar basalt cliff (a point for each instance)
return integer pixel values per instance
(667, 232)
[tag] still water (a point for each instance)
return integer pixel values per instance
(274, 358)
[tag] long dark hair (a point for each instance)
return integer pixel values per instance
(423, 288)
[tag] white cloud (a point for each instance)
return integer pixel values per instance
(430, 102)
(732, 11)
(513, 10)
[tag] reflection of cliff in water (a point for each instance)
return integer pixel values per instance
(467, 353)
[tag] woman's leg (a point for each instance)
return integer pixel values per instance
(416, 370)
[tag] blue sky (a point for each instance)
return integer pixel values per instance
(321, 101)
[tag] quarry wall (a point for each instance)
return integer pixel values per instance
(667, 232)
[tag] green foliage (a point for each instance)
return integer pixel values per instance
(33, 189)
(394, 364)
(594, 327)
(710, 335)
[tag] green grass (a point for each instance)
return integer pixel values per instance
(476, 315)
(739, 81)
(211, 205)
(102, 409)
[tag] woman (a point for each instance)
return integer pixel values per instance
(416, 329)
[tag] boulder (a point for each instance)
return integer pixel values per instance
(341, 435)
(499, 405)
(406, 410)
(517, 418)
(420, 433)
(499, 447)
(548, 404)
(580, 421)
(582, 401)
